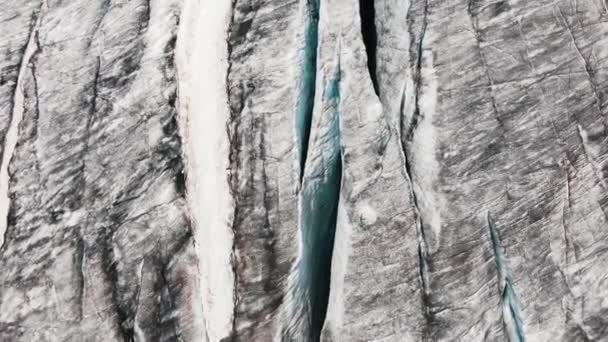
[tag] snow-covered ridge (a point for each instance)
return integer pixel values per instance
(202, 66)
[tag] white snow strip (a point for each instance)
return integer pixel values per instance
(10, 140)
(203, 105)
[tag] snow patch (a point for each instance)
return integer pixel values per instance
(367, 214)
(12, 135)
(203, 106)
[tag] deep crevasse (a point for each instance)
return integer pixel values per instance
(307, 78)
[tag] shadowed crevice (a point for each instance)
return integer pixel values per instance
(367, 11)
(419, 54)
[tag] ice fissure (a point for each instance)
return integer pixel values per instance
(367, 11)
(307, 78)
(418, 74)
(510, 301)
(422, 243)
(318, 209)
(406, 135)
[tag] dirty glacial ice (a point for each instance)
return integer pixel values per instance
(303, 170)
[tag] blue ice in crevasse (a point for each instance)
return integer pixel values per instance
(319, 199)
(510, 301)
(307, 77)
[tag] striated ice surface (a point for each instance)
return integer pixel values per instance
(303, 170)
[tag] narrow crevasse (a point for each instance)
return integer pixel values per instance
(419, 52)
(307, 78)
(407, 127)
(422, 243)
(367, 11)
(318, 209)
(510, 301)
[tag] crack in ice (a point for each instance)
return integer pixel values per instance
(308, 75)
(319, 200)
(418, 75)
(510, 301)
(367, 12)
